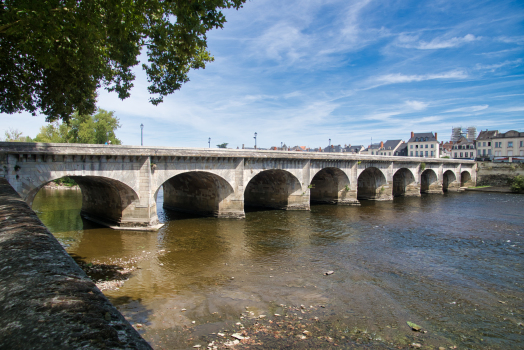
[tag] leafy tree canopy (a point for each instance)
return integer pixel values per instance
(99, 128)
(55, 54)
(223, 145)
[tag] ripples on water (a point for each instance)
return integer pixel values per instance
(450, 263)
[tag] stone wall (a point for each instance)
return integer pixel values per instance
(46, 300)
(498, 174)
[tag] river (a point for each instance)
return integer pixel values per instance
(335, 277)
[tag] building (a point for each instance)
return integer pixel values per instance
(463, 149)
(389, 147)
(445, 149)
(508, 146)
(402, 150)
(483, 144)
(354, 149)
(423, 145)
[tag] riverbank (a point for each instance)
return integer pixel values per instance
(54, 186)
(46, 300)
(496, 189)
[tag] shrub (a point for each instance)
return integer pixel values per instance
(66, 181)
(517, 184)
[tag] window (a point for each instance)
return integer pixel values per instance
(416, 153)
(426, 138)
(411, 153)
(389, 153)
(432, 153)
(411, 146)
(483, 152)
(521, 143)
(432, 146)
(460, 154)
(471, 154)
(510, 144)
(455, 154)
(489, 144)
(498, 144)
(484, 143)
(416, 146)
(426, 145)
(489, 152)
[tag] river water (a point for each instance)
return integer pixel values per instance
(451, 264)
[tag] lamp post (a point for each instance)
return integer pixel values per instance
(281, 146)
(209, 142)
(141, 134)
(255, 140)
(329, 142)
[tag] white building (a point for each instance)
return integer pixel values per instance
(423, 145)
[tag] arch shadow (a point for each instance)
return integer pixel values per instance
(428, 179)
(196, 192)
(274, 189)
(104, 200)
(327, 185)
(402, 179)
(448, 179)
(371, 184)
(465, 179)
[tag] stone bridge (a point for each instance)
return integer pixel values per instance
(120, 183)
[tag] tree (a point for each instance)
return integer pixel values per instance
(55, 54)
(14, 135)
(223, 145)
(99, 128)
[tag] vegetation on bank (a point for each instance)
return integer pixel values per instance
(517, 185)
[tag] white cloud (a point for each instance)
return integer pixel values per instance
(402, 78)
(513, 109)
(417, 105)
(469, 109)
(493, 67)
(410, 41)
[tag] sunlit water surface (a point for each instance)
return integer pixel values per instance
(452, 264)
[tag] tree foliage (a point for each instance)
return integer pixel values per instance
(517, 185)
(223, 145)
(14, 135)
(99, 128)
(55, 54)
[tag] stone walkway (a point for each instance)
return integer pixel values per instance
(46, 300)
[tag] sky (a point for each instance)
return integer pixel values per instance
(308, 71)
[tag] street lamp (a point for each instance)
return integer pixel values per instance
(209, 142)
(141, 134)
(329, 142)
(255, 140)
(281, 146)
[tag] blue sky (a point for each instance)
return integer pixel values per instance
(302, 72)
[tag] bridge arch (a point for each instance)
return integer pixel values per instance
(329, 185)
(372, 185)
(197, 192)
(465, 179)
(429, 182)
(104, 200)
(276, 189)
(449, 181)
(404, 183)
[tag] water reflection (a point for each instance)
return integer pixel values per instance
(451, 263)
